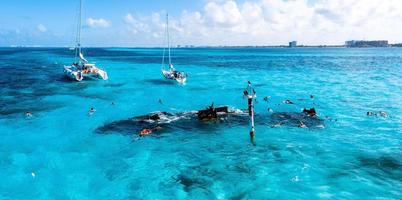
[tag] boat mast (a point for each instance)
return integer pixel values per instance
(78, 39)
(168, 39)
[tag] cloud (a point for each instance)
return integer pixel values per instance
(98, 23)
(273, 22)
(227, 14)
(150, 25)
(41, 28)
(133, 25)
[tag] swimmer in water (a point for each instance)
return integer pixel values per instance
(310, 112)
(28, 114)
(302, 125)
(160, 101)
(311, 97)
(145, 132)
(383, 114)
(266, 98)
(92, 110)
(287, 102)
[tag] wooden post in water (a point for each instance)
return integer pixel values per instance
(251, 95)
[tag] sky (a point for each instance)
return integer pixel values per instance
(140, 23)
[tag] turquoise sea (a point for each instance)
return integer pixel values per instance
(62, 152)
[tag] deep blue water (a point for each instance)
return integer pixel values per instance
(354, 156)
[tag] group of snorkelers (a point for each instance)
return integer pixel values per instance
(377, 114)
(146, 131)
(309, 112)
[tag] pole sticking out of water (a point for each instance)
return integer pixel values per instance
(251, 95)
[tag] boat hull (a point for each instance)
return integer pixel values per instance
(73, 73)
(96, 74)
(170, 75)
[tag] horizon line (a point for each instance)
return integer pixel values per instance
(203, 46)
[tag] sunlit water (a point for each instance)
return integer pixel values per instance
(59, 154)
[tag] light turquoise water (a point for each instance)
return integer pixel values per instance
(354, 157)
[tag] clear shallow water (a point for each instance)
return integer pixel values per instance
(354, 157)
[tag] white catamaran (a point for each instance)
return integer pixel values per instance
(81, 68)
(171, 73)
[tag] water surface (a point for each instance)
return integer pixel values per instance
(354, 157)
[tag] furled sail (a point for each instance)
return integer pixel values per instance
(82, 58)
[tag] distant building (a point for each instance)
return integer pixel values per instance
(364, 43)
(293, 44)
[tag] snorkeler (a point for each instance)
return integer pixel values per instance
(383, 114)
(288, 102)
(28, 114)
(145, 132)
(380, 113)
(92, 111)
(302, 125)
(310, 112)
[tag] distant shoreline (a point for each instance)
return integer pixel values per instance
(217, 47)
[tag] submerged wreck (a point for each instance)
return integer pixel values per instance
(210, 119)
(160, 122)
(308, 118)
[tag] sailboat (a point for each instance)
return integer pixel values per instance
(171, 73)
(81, 68)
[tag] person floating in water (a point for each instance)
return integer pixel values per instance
(302, 125)
(28, 114)
(266, 98)
(288, 102)
(91, 111)
(380, 113)
(145, 132)
(383, 114)
(160, 101)
(310, 112)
